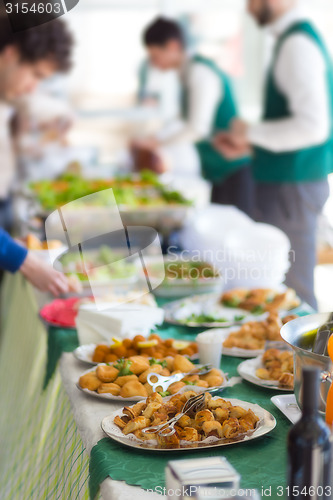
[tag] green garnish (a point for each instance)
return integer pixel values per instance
(165, 394)
(154, 361)
(187, 382)
(123, 366)
(258, 310)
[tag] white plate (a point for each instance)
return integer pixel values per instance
(110, 397)
(247, 370)
(178, 311)
(288, 405)
(266, 423)
(85, 353)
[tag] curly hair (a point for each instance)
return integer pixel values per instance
(51, 41)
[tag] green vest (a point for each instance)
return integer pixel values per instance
(305, 165)
(214, 167)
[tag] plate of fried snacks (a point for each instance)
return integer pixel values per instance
(205, 311)
(128, 379)
(274, 370)
(248, 341)
(153, 347)
(187, 421)
(260, 300)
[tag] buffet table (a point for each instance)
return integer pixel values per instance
(47, 435)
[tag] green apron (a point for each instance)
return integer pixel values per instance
(215, 167)
(309, 164)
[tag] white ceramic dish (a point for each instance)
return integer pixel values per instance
(287, 404)
(110, 397)
(247, 370)
(266, 423)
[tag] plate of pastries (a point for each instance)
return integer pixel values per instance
(249, 340)
(218, 423)
(274, 369)
(260, 300)
(126, 379)
(153, 346)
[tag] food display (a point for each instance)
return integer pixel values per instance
(277, 365)
(260, 300)
(218, 418)
(254, 334)
(153, 347)
(141, 190)
(274, 369)
(96, 263)
(127, 378)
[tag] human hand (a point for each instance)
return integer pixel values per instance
(43, 276)
(231, 149)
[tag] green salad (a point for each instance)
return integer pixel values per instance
(141, 190)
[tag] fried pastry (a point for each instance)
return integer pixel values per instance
(89, 381)
(109, 388)
(133, 388)
(106, 373)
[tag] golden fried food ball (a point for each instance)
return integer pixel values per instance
(131, 352)
(221, 414)
(202, 383)
(127, 343)
(213, 380)
(175, 387)
(138, 364)
(89, 381)
(106, 373)
(133, 388)
(126, 378)
(153, 369)
(99, 357)
(169, 362)
(120, 351)
(154, 336)
(203, 416)
(262, 373)
(110, 358)
(182, 363)
(102, 348)
(136, 340)
(109, 388)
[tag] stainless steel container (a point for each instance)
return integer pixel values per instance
(300, 334)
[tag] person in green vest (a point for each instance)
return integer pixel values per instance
(207, 106)
(293, 144)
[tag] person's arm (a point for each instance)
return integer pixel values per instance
(14, 257)
(300, 74)
(12, 254)
(205, 92)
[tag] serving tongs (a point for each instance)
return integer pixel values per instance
(192, 405)
(165, 382)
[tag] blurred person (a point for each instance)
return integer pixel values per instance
(293, 144)
(26, 58)
(208, 105)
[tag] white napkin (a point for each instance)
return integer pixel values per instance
(118, 320)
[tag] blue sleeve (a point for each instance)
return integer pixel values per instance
(12, 254)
